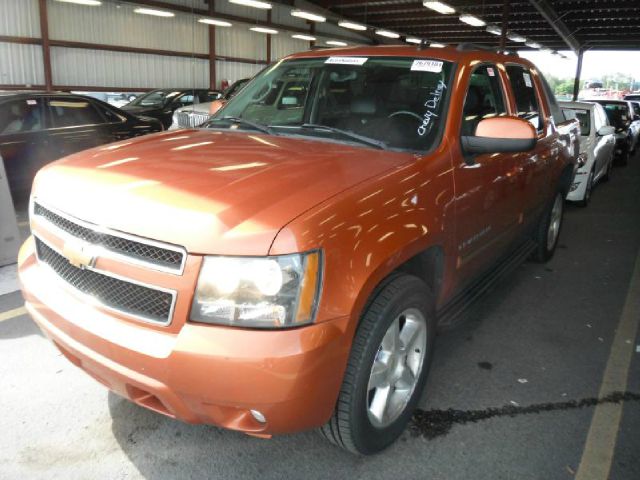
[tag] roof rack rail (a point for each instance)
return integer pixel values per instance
(468, 47)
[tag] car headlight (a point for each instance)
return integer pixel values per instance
(258, 292)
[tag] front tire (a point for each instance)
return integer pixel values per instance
(387, 368)
(548, 229)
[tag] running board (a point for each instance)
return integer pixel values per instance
(453, 312)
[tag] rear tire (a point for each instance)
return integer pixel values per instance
(548, 229)
(387, 368)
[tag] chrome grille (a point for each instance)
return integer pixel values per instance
(162, 257)
(121, 295)
(192, 119)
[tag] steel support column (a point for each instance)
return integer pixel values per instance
(504, 26)
(576, 81)
(550, 15)
(212, 48)
(46, 47)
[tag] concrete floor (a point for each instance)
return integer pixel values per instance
(512, 392)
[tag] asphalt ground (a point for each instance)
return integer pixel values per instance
(534, 385)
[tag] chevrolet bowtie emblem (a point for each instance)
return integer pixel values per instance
(80, 254)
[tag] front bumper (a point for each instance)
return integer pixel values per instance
(202, 373)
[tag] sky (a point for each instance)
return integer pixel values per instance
(594, 63)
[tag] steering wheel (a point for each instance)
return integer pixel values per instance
(406, 112)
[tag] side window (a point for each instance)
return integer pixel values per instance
(23, 115)
(73, 112)
(484, 98)
(186, 99)
(524, 91)
(209, 96)
(110, 115)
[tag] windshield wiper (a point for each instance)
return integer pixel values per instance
(347, 133)
(241, 121)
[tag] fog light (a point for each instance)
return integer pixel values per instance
(258, 416)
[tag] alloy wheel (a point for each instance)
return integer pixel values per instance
(554, 222)
(396, 368)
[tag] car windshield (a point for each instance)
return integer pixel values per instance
(380, 102)
(617, 113)
(235, 88)
(583, 117)
(155, 98)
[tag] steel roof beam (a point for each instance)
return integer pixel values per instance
(550, 15)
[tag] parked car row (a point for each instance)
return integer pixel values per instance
(38, 127)
(609, 132)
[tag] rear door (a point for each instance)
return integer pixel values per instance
(485, 192)
(23, 140)
(603, 144)
(533, 166)
(76, 124)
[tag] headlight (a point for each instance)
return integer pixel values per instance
(258, 292)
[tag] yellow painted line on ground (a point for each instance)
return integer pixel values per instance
(9, 314)
(599, 448)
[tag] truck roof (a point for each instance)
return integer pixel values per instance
(463, 53)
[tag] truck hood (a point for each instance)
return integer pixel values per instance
(210, 191)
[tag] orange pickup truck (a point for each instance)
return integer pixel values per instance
(285, 266)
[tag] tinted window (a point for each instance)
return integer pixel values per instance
(583, 116)
(617, 113)
(484, 98)
(23, 115)
(636, 108)
(209, 96)
(70, 112)
(525, 94)
(110, 115)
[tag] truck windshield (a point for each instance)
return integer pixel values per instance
(379, 102)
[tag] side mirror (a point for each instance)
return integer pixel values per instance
(500, 135)
(606, 130)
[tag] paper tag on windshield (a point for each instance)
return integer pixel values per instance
(434, 66)
(527, 79)
(347, 60)
(32, 102)
(491, 72)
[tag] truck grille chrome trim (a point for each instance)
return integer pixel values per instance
(191, 119)
(134, 299)
(129, 248)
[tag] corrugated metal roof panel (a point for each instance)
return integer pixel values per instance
(21, 64)
(74, 66)
(20, 18)
(112, 24)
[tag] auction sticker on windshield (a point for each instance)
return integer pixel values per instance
(347, 60)
(433, 66)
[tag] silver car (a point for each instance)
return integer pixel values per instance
(597, 143)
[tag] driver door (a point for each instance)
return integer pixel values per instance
(485, 184)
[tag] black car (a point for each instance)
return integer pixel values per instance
(632, 96)
(37, 128)
(162, 103)
(234, 88)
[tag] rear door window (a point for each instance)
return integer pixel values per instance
(484, 98)
(524, 91)
(583, 117)
(73, 112)
(24, 115)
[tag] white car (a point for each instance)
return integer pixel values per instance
(597, 142)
